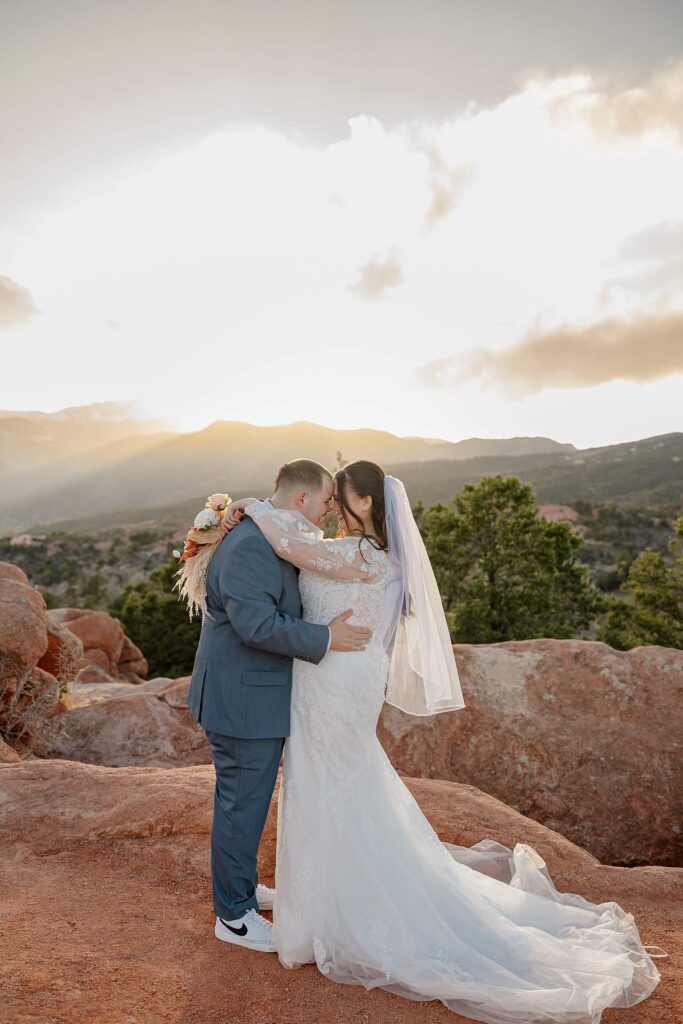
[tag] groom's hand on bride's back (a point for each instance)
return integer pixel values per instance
(346, 637)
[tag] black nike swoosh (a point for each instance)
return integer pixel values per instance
(237, 931)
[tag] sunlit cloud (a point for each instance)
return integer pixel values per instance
(655, 106)
(445, 182)
(639, 349)
(16, 304)
(376, 276)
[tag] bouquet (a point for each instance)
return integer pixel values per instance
(201, 541)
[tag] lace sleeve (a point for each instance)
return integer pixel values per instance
(299, 541)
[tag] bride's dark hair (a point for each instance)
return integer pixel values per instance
(366, 480)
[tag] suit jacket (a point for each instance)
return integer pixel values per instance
(241, 681)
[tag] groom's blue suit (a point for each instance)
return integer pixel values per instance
(240, 693)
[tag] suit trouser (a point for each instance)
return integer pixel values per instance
(246, 771)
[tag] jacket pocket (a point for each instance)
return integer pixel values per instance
(259, 677)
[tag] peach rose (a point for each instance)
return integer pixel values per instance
(218, 501)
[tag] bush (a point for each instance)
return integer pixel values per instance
(654, 613)
(156, 619)
(26, 702)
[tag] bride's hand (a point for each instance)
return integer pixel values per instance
(233, 513)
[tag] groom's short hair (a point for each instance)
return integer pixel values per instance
(301, 473)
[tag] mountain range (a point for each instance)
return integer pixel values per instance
(101, 463)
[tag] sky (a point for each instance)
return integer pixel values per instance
(448, 219)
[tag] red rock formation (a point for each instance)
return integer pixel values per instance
(10, 571)
(131, 664)
(23, 617)
(557, 513)
(176, 693)
(572, 733)
(158, 684)
(136, 729)
(108, 902)
(64, 655)
(28, 694)
(8, 755)
(107, 652)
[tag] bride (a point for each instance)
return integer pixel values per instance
(364, 887)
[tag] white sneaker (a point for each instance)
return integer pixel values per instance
(252, 931)
(265, 897)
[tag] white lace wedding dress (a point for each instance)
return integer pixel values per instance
(367, 891)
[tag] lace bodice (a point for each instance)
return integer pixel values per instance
(323, 598)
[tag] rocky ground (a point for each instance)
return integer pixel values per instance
(106, 799)
(107, 915)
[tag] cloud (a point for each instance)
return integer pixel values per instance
(16, 305)
(376, 276)
(445, 183)
(639, 349)
(656, 254)
(658, 242)
(657, 105)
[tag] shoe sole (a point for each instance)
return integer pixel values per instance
(265, 904)
(239, 940)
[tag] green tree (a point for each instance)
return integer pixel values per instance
(503, 573)
(155, 619)
(654, 613)
(72, 590)
(94, 593)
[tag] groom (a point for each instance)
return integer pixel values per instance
(241, 687)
